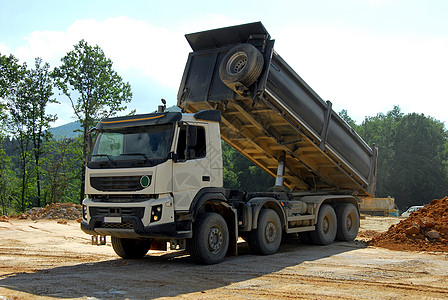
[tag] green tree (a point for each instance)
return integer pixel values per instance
(240, 173)
(418, 172)
(61, 169)
(7, 181)
(381, 130)
(10, 74)
(94, 89)
(344, 115)
(41, 92)
(18, 113)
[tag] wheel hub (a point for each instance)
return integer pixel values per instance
(236, 63)
(215, 239)
(325, 225)
(270, 233)
(349, 222)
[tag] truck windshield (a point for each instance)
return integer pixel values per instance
(132, 147)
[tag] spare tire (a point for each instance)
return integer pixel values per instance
(241, 66)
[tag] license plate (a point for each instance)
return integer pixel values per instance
(111, 219)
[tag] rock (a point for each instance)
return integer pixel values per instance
(414, 229)
(62, 221)
(432, 235)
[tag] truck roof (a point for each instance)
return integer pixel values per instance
(139, 120)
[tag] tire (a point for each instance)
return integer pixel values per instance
(326, 226)
(210, 240)
(267, 237)
(241, 65)
(348, 222)
(130, 248)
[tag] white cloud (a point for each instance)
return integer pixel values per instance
(137, 47)
(155, 52)
(360, 71)
(367, 73)
(130, 44)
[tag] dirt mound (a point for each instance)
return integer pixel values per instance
(54, 211)
(424, 230)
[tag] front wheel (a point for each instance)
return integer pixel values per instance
(130, 248)
(210, 239)
(267, 237)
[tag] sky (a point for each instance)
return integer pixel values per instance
(364, 56)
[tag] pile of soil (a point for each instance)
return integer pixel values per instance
(54, 211)
(424, 230)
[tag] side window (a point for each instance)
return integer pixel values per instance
(198, 150)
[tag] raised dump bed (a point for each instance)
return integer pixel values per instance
(271, 115)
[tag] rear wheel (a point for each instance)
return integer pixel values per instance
(326, 226)
(210, 239)
(267, 237)
(130, 248)
(348, 222)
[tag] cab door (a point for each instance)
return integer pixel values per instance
(191, 168)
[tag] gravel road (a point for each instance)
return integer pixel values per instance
(46, 260)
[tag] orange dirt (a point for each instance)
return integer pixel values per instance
(424, 230)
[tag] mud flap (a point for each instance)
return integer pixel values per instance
(233, 238)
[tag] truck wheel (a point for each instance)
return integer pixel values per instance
(348, 222)
(267, 237)
(242, 64)
(326, 226)
(130, 248)
(210, 239)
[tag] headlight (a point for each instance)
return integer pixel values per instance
(156, 213)
(84, 212)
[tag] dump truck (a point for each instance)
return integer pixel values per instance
(155, 181)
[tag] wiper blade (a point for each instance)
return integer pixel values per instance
(135, 154)
(106, 155)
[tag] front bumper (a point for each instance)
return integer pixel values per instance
(151, 218)
(133, 226)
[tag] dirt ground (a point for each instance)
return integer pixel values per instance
(44, 259)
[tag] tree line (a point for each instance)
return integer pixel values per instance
(412, 155)
(37, 168)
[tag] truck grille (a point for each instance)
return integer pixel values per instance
(117, 211)
(124, 225)
(117, 183)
